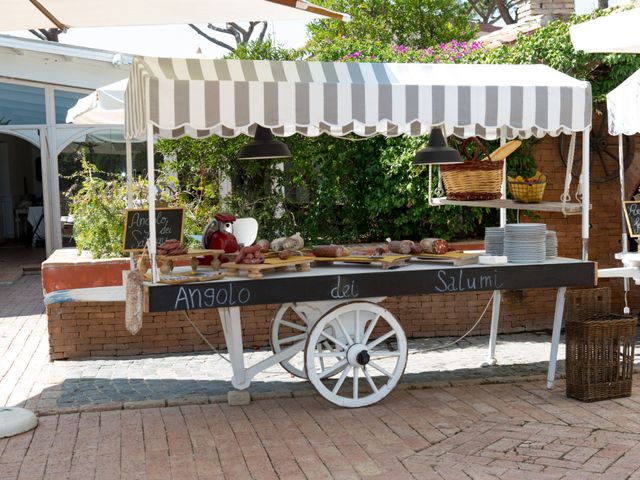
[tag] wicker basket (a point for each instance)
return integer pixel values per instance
(474, 179)
(527, 192)
(582, 303)
(600, 353)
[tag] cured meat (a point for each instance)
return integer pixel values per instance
(332, 251)
(434, 245)
(368, 249)
(250, 255)
(264, 245)
(400, 246)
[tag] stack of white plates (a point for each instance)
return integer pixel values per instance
(494, 240)
(551, 244)
(525, 242)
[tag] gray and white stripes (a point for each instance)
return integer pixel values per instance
(227, 97)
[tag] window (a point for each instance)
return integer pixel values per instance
(64, 100)
(21, 105)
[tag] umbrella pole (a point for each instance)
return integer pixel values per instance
(625, 243)
(151, 197)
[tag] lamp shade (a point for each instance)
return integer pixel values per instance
(437, 151)
(264, 146)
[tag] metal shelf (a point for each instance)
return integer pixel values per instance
(570, 208)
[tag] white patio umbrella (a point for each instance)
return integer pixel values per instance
(103, 106)
(615, 33)
(63, 14)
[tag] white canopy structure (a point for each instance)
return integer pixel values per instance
(103, 106)
(615, 33)
(198, 98)
(623, 105)
(63, 14)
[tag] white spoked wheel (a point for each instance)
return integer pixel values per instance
(365, 345)
(289, 326)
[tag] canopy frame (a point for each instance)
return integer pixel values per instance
(198, 98)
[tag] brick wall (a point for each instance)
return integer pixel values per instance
(547, 8)
(98, 330)
(83, 329)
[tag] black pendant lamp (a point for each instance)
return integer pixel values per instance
(264, 146)
(437, 151)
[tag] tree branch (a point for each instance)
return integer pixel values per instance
(504, 12)
(212, 39)
(263, 31)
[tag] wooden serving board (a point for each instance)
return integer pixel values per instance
(386, 262)
(188, 277)
(275, 264)
(167, 261)
(456, 259)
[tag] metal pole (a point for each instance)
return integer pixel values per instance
(624, 241)
(127, 146)
(503, 188)
(585, 194)
(151, 196)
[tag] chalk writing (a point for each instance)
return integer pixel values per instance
(464, 281)
(344, 290)
(632, 214)
(222, 295)
(169, 225)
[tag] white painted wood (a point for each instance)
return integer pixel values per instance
(279, 340)
(572, 208)
(555, 336)
(151, 198)
(232, 329)
(585, 193)
(493, 334)
(332, 350)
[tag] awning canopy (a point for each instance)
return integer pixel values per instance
(103, 106)
(198, 98)
(27, 14)
(615, 33)
(623, 105)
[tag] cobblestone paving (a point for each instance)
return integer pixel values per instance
(203, 375)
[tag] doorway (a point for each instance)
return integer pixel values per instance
(22, 237)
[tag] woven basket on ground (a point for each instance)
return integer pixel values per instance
(600, 346)
(474, 179)
(600, 353)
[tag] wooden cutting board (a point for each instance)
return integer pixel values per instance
(456, 259)
(270, 264)
(386, 262)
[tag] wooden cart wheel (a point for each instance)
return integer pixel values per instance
(368, 349)
(289, 325)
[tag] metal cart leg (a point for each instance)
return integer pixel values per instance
(555, 336)
(493, 337)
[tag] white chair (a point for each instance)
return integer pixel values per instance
(245, 230)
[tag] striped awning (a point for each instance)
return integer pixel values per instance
(199, 97)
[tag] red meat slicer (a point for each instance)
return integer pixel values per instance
(217, 236)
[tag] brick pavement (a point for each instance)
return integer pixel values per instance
(510, 431)
(458, 428)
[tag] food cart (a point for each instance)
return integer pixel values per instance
(344, 335)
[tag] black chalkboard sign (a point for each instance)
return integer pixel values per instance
(632, 214)
(169, 224)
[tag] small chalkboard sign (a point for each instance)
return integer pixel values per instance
(632, 214)
(169, 224)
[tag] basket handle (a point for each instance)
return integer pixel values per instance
(481, 149)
